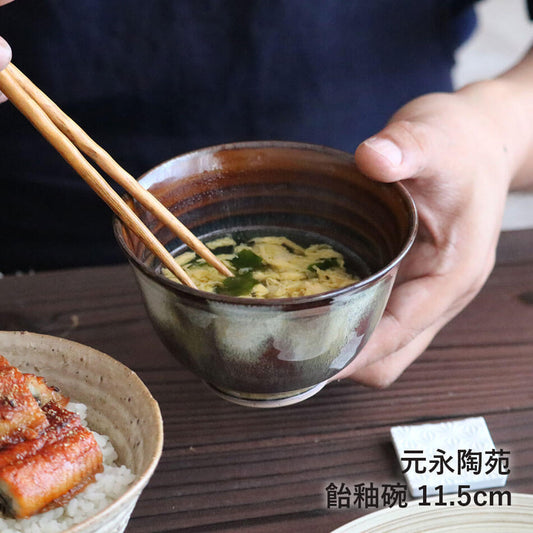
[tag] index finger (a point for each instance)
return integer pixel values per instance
(5, 58)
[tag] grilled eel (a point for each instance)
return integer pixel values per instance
(42, 465)
(20, 415)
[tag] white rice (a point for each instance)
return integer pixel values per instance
(109, 485)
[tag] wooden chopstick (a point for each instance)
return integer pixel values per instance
(31, 110)
(80, 138)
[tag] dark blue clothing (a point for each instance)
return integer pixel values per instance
(151, 79)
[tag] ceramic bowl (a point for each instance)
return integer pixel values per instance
(274, 352)
(118, 405)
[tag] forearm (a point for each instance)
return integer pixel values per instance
(508, 103)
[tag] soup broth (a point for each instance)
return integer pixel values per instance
(268, 267)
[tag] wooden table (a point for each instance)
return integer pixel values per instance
(229, 468)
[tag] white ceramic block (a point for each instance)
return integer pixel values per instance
(450, 454)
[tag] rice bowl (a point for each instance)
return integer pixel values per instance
(118, 407)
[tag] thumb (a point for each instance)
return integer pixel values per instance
(403, 149)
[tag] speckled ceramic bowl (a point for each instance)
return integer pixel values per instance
(118, 405)
(272, 352)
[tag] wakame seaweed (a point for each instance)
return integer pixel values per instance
(238, 285)
(246, 260)
(324, 264)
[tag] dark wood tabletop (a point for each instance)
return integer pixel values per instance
(232, 468)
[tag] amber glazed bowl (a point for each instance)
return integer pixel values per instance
(267, 353)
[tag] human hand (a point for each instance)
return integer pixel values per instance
(5, 51)
(451, 156)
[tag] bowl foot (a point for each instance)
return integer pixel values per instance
(267, 400)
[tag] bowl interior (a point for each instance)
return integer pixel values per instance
(118, 405)
(305, 192)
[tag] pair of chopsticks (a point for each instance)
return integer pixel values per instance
(70, 140)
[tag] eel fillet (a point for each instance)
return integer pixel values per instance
(46, 455)
(42, 393)
(20, 414)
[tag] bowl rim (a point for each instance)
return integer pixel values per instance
(133, 490)
(285, 303)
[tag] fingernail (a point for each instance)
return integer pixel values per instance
(386, 149)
